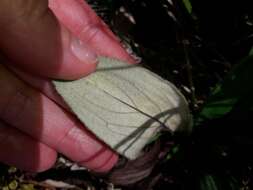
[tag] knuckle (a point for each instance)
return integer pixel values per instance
(75, 135)
(90, 31)
(82, 145)
(70, 133)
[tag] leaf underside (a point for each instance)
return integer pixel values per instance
(125, 105)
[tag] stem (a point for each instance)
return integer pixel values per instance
(189, 75)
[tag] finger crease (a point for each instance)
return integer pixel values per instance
(102, 150)
(89, 32)
(104, 163)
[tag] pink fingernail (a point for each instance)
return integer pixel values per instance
(83, 52)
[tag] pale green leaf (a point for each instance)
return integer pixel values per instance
(125, 105)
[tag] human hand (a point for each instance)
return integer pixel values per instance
(36, 47)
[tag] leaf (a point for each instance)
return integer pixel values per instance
(188, 6)
(218, 182)
(125, 105)
(251, 52)
(208, 183)
(173, 151)
(235, 91)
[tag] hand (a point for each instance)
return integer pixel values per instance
(40, 43)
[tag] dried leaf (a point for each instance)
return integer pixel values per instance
(133, 171)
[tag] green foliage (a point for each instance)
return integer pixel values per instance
(208, 183)
(216, 182)
(251, 52)
(233, 93)
(188, 6)
(218, 152)
(174, 150)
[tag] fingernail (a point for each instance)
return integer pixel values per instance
(82, 51)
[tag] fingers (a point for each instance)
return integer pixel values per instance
(38, 116)
(32, 38)
(34, 41)
(78, 17)
(44, 85)
(22, 151)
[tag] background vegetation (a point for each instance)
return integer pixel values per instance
(205, 48)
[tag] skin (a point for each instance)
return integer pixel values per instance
(36, 45)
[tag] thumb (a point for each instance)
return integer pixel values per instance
(34, 41)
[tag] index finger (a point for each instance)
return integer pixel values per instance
(83, 22)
